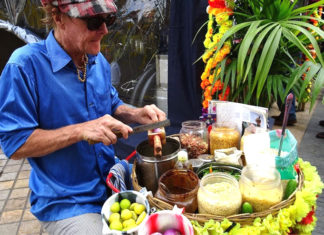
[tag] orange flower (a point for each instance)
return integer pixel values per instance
(225, 96)
(205, 104)
(204, 84)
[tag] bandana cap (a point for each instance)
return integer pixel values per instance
(83, 8)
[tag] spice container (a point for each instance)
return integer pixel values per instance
(261, 187)
(223, 136)
(194, 137)
(219, 194)
(179, 187)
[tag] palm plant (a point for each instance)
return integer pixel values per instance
(272, 35)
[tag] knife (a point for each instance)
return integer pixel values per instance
(140, 128)
(146, 127)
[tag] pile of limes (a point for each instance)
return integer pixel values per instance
(126, 215)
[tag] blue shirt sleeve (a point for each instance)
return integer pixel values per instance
(18, 107)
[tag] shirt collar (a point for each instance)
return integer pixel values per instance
(58, 57)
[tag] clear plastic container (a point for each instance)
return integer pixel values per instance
(183, 162)
(179, 187)
(223, 136)
(219, 194)
(194, 137)
(261, 187)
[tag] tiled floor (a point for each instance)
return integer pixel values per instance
(15, 217)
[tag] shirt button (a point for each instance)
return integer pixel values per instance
(91, 105)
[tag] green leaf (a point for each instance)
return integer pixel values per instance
(292, 38)
(317, 86)
(269, 86)
(227, 35)
(296, 75)
(275, 87)
(306, 18)
(308, 25)
(308, 7)
(281, 89)
(230, 33)
(313, 69)
(194, 39)
(250, 92)
(245, 45)
(256, 47)
(266, 59)
(311, 39)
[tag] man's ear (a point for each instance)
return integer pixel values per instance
(57, 17)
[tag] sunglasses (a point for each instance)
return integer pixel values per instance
(94, 23)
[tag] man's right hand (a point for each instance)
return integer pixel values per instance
(102, 130)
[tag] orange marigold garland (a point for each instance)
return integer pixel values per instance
(219, 22)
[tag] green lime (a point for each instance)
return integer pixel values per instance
(126, 214)
(115, 208)
(132, 206)
(130, 227)
(291, 187)
(129, 223)
(139, 208)
(116, 225)
(141, 217)
(113, 217)
(247, 208)
(134, 216)
(124, 204)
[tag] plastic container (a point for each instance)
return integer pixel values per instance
(194, 137)
(183, 162)
(261, 187)
(233, 170)
(219, 194)
(285, 165)
(223, 136)
(179, 187)
(131, 195)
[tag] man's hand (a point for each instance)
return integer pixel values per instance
(102, 130)
(149, 114)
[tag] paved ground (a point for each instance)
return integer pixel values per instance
(15, 218)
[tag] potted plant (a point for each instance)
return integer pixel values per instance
(269, 39)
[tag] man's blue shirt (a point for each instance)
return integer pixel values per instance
(39, 88)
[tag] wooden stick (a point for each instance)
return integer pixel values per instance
(157, 146)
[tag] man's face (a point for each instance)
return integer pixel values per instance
(80, 39)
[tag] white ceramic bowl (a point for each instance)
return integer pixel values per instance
(131, 195)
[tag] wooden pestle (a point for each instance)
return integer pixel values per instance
(156, 138)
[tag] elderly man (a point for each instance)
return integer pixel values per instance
(56, 97)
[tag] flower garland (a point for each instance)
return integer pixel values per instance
(219, 22)
(299, 218)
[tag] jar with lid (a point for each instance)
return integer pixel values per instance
(224, 135)
(261, 186)
(219, 194)
(194, 137)
(179, 187)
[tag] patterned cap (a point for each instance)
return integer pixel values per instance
(83, 8)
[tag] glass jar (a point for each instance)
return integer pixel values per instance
(179, 187)
(219, 194)
(223, 136)
(261, 187)
(194, 137)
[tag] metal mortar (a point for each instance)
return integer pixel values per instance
(150, 168)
